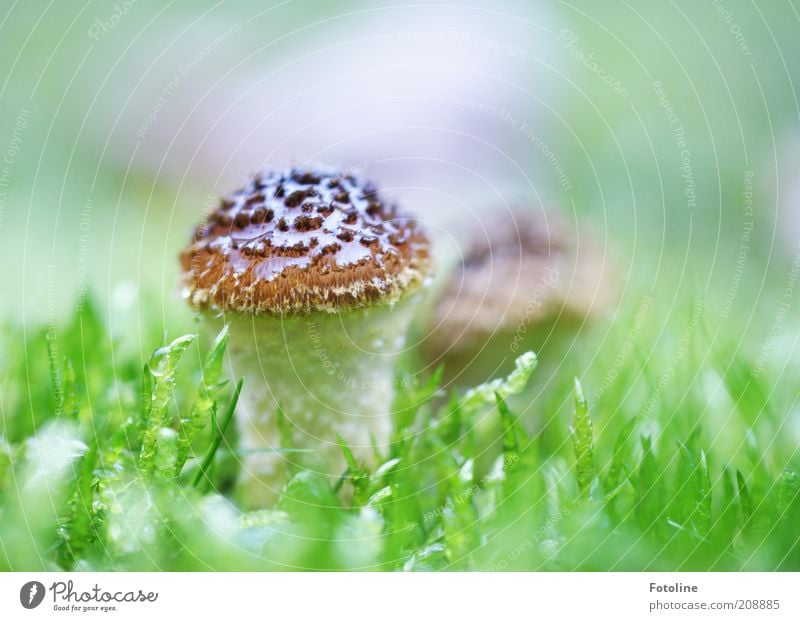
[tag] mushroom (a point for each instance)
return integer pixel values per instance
(522, 277)
(316, 276)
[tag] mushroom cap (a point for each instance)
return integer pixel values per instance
(303, 240)
(518, 271)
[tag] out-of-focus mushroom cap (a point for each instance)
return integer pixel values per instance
(518, 271)
(303, 240)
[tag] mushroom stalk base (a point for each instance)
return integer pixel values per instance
(330, 374)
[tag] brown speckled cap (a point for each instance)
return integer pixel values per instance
(303, 240)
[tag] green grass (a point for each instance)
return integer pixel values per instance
(672, 452)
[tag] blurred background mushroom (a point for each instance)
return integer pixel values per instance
(528, 279)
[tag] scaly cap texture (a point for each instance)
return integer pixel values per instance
(303, 240)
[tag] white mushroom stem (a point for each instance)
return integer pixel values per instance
(330, 374)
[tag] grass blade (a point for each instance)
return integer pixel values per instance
(745, 502)
(510, 441)
(583, 441)
(206, 401)
(220, 430)
(160, 373)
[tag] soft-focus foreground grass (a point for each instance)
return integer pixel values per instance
(680, 456)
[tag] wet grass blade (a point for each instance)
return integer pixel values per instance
(745, 502)
(511, 447)
(703, 507)
(613, 481)
(583, 441)
(160, 372)
(357, 474)
(219, 433)
(205, 402)
(648, 501)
